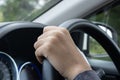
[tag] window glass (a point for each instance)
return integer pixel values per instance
(110, 16)
(23, 10)
(97, 51)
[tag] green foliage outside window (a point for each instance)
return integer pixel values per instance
(15, 9)
(95, 47)
(23, 10)
(110, 17)
(97, 51)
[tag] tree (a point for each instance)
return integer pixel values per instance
(16, 9)
(110, 17)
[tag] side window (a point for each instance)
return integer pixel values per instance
(96, 51)
(109, 16)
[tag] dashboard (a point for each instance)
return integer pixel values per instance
(17, 58)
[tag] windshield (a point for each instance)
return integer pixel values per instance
(24, 10)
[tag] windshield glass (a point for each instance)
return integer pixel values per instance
(24, 10)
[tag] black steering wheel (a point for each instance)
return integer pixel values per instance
(93, 30)
(76, 24)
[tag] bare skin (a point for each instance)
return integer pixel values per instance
(56, 45)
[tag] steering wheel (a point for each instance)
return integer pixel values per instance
(90, 28)
(93, 30)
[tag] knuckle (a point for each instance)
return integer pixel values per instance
(40, 36)
(58, 34)
(64, 30)
(48, 47)
(38, 43)
(45, 29)
(37, 52)
(34, 45)
(53, 40)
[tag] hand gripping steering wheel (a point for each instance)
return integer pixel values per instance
(75, 24)
(93, 30)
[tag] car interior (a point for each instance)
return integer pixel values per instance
(93, 24)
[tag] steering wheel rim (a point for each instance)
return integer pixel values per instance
(93, 30)
(71, 25)
(7, 28)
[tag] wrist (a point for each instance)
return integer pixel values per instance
(73, 72)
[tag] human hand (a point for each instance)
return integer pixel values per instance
(57, 46)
